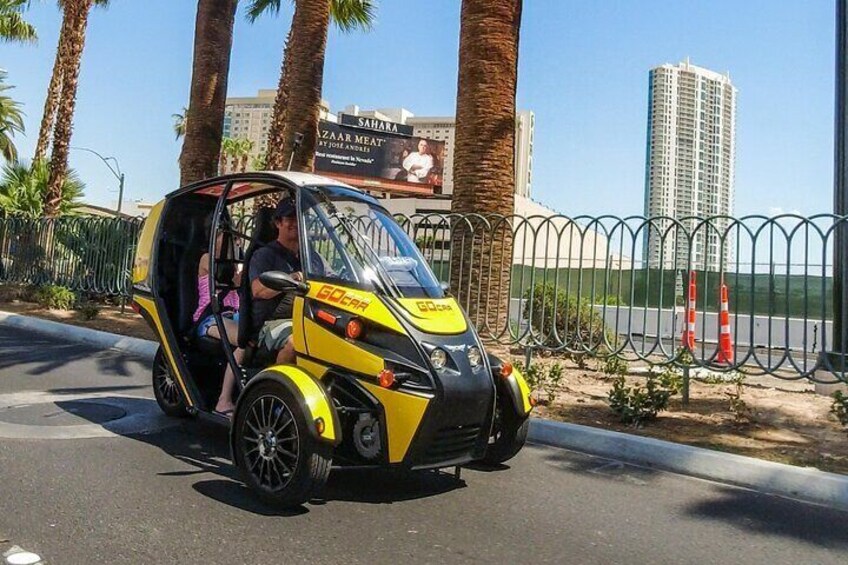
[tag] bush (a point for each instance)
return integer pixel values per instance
(88, 310)
(635, 405)
(563, 319)
(613, 366)
(55, 297)
(544, 381)
(839, 408)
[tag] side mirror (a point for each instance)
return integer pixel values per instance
(278, 280)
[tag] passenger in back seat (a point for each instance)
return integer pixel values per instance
(204, 320)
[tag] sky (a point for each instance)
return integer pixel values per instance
(583, 70)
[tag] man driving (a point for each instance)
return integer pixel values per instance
(271, 310)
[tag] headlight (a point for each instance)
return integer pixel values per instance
(474, 356)
(438, 358)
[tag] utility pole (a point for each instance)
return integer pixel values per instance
(116, 172)
(837, 349)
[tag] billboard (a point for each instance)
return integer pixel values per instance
(378, 154)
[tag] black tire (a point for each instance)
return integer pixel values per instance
(165, 388)
(278, 457)
(509, 433)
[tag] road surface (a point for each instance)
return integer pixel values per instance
(91, 473)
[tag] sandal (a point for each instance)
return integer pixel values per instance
(228, 414)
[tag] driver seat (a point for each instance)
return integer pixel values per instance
(264, 232)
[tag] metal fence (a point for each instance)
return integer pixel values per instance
(582, 286)
(84, 253)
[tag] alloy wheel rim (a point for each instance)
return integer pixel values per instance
(271, 443)
(166, 384)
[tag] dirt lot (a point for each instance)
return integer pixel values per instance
(785, 421)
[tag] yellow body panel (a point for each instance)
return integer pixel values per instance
(313, 394)
(141, 266)
(298, 335)
(435, 316)
(358, 302)
(311, 367)
(403, 417)
(326, 346)
(149, 307)
(522, 386)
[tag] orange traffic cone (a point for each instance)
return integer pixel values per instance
(688, 339)
(725, 343)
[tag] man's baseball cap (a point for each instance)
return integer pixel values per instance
(285, 209)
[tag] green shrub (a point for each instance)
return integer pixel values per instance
(88, 310)
(545, 382)
(55, 297)
(613, 366)
(839, 408)
(564, 319)
(637, 404)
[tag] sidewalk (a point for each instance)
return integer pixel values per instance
(805, 484)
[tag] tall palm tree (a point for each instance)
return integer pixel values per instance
(13, 27)
(180, 123)
(77, 12)
(213, 40)
(11, 122)
(484, 156)
(298, 102)
(245, 146)
(54, 89)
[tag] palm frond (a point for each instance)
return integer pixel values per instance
(257, 8)
(13, 27)
(352, 15)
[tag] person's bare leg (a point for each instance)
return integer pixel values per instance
(225, 400)
(286, 354)
(231, 327)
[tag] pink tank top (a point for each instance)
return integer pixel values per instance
(231, 300)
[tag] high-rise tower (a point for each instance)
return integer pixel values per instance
(690, 165)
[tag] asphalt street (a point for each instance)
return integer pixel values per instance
(90, 472)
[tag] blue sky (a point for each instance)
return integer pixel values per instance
(583, 71)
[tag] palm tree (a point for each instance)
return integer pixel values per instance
(11, 122)
(298, 102)
(13, 27)
(22, 189)
(54, 90)
(245, 146)
(213, 40)
(77, 12)
(259, 162)
(484, 173)
(228, 149)
(180, 123)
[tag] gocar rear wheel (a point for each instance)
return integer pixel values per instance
(509, 433)
(165, 389)
(275, 452)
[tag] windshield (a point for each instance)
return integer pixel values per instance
(356, 243)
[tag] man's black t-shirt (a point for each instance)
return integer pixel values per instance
(272, 257)
(275, 257)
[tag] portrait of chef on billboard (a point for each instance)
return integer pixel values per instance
(419, 163)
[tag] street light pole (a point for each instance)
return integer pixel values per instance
(116, 172)
(839, 340)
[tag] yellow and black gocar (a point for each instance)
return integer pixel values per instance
(389, 371)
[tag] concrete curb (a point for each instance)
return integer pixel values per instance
(809, 485)
(129, 345)
(800, 483)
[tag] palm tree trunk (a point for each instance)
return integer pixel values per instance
(276, 160)
(53, 92)
(213, 41)
(79, 10)
(484, 171)
(308, 42)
